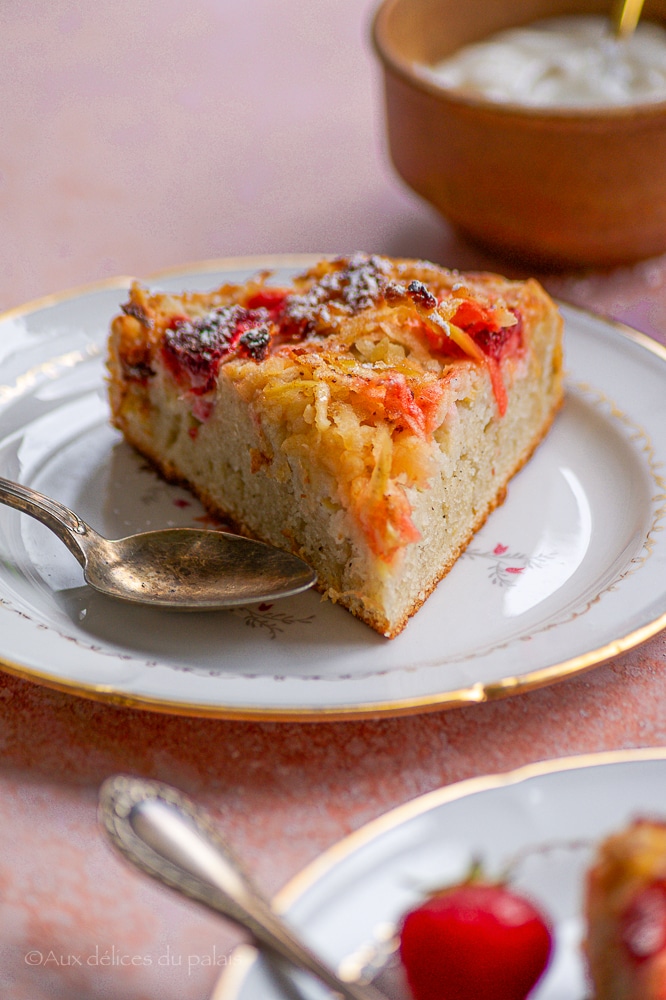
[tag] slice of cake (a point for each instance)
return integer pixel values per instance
(625, 908)
(367, 417)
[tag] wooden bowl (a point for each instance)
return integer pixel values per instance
(552, 188)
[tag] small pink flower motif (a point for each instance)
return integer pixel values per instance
(179, 502)
(499, 550)
(515, 569)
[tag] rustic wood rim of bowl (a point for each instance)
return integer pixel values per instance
(391, 59)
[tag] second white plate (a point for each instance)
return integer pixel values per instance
(549, 815)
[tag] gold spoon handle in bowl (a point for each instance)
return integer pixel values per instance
(166, 836)
(625, 17)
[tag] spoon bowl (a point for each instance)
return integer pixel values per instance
(181, 569)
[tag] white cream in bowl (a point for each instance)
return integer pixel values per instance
(560, 62)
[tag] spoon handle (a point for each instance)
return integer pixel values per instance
(626, 15)
(165, 835)
(67, 525)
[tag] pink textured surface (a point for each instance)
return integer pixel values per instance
(139, 136)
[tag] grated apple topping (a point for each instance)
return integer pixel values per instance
(361, 360)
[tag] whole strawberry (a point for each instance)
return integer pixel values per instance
(475, 941)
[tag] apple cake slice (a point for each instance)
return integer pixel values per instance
(367, 416)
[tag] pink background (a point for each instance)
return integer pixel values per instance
(140, 135)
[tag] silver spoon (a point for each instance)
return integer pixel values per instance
(166, 836)
(178, 568)
(625, 17)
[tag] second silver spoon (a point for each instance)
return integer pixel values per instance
(166, 836)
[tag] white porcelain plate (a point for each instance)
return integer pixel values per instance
(568, 572)
(549, 816)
